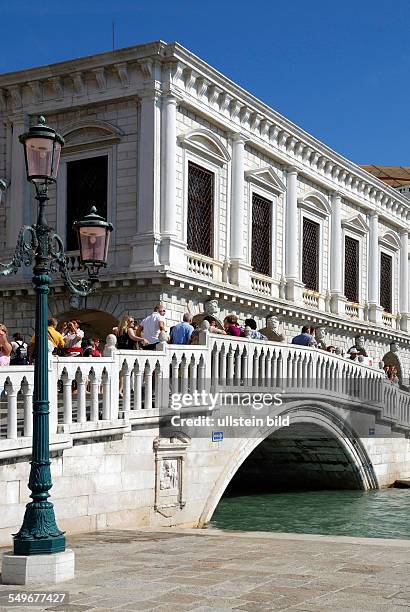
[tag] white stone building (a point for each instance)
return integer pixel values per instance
(212, 194)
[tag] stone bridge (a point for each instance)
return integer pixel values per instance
(131, 445)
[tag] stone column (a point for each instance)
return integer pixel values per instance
(337, 299)
(172, 252)
(169, 126)
(404, 280)
(18, 194)
(375, 311)
(294, 287)
(146, 242)
(239, 271)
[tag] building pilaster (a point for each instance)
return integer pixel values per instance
(375, 310)
(18, 194)
(404, 281)
(294, 287)
(337, 299)
(239, 272)
(172, 250)
(145, 246)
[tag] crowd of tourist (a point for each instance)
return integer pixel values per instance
(68, 339)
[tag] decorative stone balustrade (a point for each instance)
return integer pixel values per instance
(200, 265)
(311, 298)
(261, 285)
(352, 310)
(387, 319)
(95, 397)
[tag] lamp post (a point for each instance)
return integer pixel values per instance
(40, 246)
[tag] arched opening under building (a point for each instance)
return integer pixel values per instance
(302, 457)
(95, 323)
(317, 457)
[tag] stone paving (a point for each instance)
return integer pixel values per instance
(209, 570)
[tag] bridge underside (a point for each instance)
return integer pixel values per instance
(301, 457)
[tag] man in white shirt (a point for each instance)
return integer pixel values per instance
(152, 326)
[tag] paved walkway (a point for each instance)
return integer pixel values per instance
(209, 570)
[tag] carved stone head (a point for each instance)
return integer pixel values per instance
(359, 341)
(111, 341)
(320, 334)
(211, 307)
(394, 347)
(272, 323)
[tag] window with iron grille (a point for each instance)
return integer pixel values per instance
(351, 269)
(261, 234)
(86, 187)
(386, 274)
(310, 254)
(200, 223)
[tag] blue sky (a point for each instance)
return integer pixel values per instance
(338, 70)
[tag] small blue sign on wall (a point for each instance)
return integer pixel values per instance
(217, 436)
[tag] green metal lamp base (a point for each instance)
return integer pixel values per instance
(39, 534)
(44, 546)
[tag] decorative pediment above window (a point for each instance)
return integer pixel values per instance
(206, 144)
(356, 224)
(315, 202)
(267, 179)
(89, 134)
(390, 240)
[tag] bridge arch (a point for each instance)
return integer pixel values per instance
(318, 416)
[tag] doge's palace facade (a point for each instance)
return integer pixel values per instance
(212, 194)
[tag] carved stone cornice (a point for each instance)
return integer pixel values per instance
(122, 71)
(100, 77)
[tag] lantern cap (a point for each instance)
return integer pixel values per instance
(93, 219)
(41, 130)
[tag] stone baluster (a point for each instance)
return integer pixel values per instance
(137, 387)
(126, 389)
(148, 386)
(230, 359)
(27, 390)
(94, 388)
(11, 410)
(67, 398)
(81, 397)
(106, 391)
(184, 375)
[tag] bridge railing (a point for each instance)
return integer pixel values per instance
(94, 397)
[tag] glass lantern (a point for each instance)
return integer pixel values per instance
(42, 149)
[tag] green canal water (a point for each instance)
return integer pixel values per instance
(374, 514)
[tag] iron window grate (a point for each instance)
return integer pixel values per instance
(310, 254)
(200, 210)
(351, 269)
(386, 273)
(261, 234)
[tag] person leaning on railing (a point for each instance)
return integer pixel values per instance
(5, 346)
(55, 340)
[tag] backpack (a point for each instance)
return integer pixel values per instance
(20, 356)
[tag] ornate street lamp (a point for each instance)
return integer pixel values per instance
(38, 244)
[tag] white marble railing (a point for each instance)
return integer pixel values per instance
(387, 319)
(93, 397)
(196, 264)
(311, 298)
(261, 285)
(352, 310)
